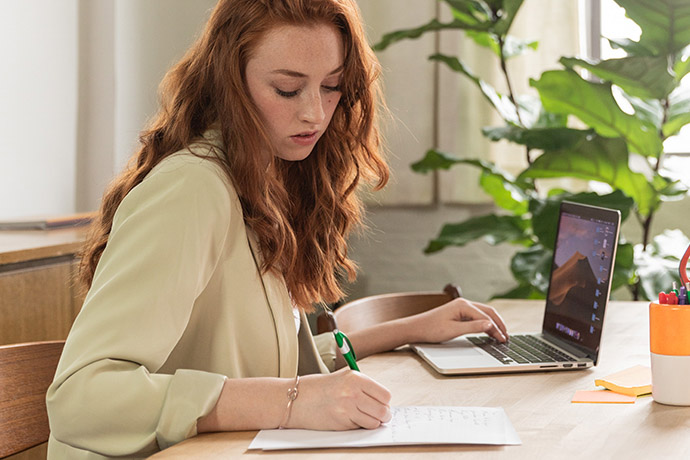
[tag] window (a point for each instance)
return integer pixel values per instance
(617, 25)
(604, 19)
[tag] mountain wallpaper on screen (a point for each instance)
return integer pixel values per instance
(573, 285)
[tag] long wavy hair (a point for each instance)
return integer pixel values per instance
(301, 211)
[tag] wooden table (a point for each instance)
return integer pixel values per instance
(538, 404)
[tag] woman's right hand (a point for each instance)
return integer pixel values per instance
(343, 400)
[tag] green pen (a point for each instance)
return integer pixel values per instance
(346, 349)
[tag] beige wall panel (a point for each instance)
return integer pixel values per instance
(409, 91)
(463, 111)
(391, 258)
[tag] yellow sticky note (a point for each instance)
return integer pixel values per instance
(601, 396)
(634, 381)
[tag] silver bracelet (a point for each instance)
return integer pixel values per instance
(292, 394)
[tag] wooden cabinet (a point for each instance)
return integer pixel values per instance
(38, 295)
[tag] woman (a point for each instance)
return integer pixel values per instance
(229, 224)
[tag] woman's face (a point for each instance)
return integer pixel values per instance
(293, 77)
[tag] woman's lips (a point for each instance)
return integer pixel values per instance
(308, 138)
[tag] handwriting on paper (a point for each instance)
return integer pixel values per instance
(441, 420)
(408, 426)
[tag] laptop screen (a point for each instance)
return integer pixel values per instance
(581, 273)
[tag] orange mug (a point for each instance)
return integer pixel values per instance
(669, 344)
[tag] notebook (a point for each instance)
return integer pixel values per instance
(579, 288)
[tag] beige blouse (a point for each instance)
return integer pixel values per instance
(177, 304)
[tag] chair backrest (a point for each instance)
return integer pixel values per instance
(375, 309)
(26, 371)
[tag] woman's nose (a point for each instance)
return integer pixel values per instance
(312, 108)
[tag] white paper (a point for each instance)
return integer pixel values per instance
(409, 426)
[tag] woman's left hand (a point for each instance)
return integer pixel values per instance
(457, 317)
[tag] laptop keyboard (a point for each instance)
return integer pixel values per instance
(522, 349)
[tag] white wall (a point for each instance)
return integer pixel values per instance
(150, 36)
(78, 81)
(97, 92)
(38, 106)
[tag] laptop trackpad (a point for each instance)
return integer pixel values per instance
(451, 349)
(456, 354)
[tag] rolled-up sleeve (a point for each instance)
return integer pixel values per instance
(166, 239)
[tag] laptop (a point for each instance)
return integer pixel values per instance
(579, 288)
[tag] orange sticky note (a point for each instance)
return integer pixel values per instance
(601, 396)
(634, 381)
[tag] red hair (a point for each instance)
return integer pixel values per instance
(301, 212)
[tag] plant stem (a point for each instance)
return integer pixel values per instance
(504, 69)
(646, 227)
(647, 222)
(511, 94)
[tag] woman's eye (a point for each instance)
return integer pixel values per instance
(282, 93)
(332, 88)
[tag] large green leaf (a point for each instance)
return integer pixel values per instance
(511, 47)
(646, 77)
(678, 111)
(542, 139)
(624, 267)
(545, 119)
(532, 266)
(669, 189)
(682, 67)
(655, 274)
(506, 194)
(565, 92)
(435, 159)
(631, 47)
(506, 14)
(533, 114)
(416, 32)
(665, 24)
(649, 111)
(598, 159)
(478, 15)
(657, 267)
(500, 185)
(492, 228)
(473, 12)
(670, 244)
(500, 13)
(501, 103)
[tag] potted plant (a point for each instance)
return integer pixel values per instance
(647, 81)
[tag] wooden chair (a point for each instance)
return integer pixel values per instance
(26, 371)
(375, 309)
